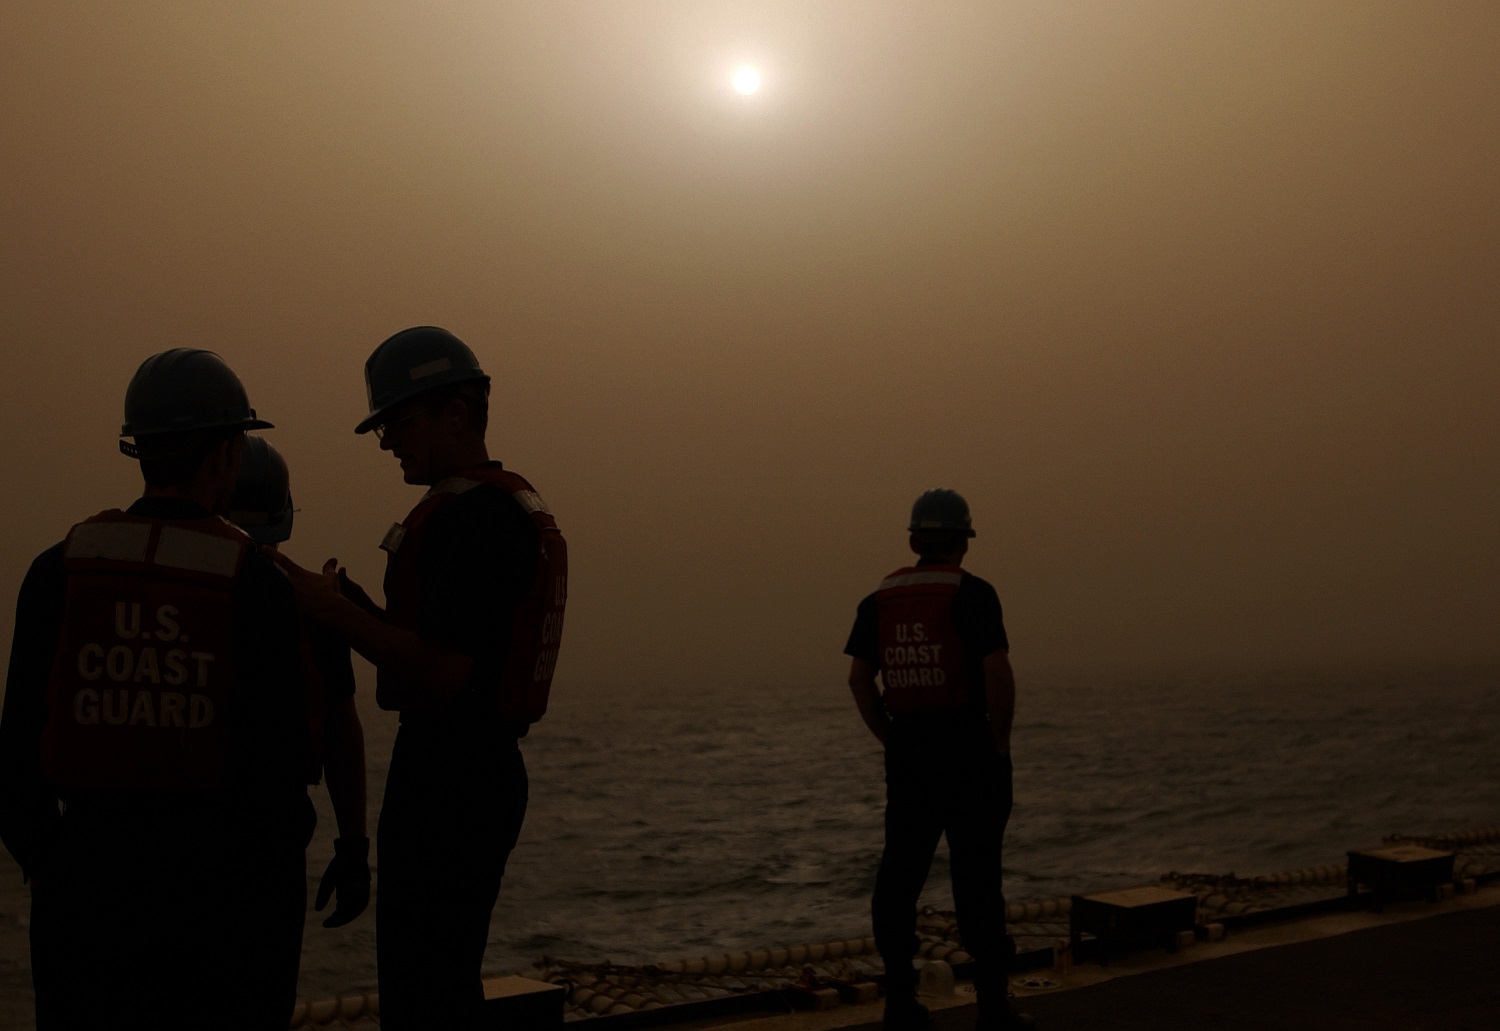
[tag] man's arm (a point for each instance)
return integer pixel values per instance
(343, 736)
(344, 766)
(28, 804)
(867, 698)
(1000, 696)
(438, 673)
(348, 873)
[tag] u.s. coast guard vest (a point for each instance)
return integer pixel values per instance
(922, 666)
(536, 631)
(143, 675)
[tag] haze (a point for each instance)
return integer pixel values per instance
(1196, 302)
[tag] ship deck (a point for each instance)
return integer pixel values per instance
(1416, 966)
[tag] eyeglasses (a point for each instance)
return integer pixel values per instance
(381, 429)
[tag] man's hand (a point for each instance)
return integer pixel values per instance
(438, 672)
(348, 877)
(867, 698)
(317, 593)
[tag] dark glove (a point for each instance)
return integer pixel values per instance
(348, 875)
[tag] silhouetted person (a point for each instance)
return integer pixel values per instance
(475, 584)
(155, 692)
(261, 505)
(935, 635)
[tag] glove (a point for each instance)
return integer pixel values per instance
(348, 875)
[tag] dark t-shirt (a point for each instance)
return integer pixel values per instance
(263, 796)
(977, 619)
(478, 556)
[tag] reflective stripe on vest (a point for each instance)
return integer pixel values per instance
(197, 552)
(531, 502)
(113, 541)
(112, 537)
(900, 579)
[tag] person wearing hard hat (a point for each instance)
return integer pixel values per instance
(154, 738)
(935, 637)
(261, 505)
(464, 650)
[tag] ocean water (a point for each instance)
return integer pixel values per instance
(673, 825)
(686, 824)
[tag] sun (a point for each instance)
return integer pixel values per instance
(746, 80)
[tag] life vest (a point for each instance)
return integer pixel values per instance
(143, 678)
(922, 664)
(536, 632)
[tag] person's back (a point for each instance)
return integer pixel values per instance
(935, 636)
(154, 692)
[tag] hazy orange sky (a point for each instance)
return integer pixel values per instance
(1197, 302)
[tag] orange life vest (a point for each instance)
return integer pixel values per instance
(143, 679)
(536, 632)
(922, 664)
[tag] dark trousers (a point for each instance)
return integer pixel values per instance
(453, 808)
(143, 926)
(943, 779)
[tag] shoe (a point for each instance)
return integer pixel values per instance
(905, 1015)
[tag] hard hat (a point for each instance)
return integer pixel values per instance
(941, 509)
(413, 362)
(186, 389)
(262, 501)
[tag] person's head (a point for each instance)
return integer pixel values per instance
(940, 527)
(429, 403)
(187, 413)
(261, 503)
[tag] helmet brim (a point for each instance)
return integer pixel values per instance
(244, 424)
(378, 416)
